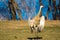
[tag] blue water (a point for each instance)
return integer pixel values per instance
(28, 8)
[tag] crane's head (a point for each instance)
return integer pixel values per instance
(41, 6)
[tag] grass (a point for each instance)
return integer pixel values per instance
(49, 33)
(23, 32)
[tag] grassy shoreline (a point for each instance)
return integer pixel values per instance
(19, 30)
(21, 24)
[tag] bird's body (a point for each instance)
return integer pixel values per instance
(40, 26)
(41, 23)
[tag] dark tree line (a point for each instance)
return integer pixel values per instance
(13, 8)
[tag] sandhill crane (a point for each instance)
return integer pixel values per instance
(31, 22)
(40, 26)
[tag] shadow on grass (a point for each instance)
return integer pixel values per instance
(34, 38)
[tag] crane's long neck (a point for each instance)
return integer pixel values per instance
(40, 10)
